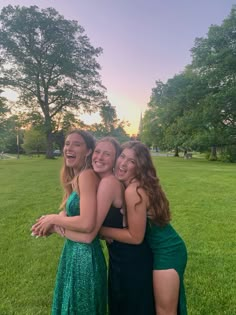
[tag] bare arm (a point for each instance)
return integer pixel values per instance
(108, 191)
(86, 221)
(136, 216)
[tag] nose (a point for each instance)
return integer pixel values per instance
(123, 162)
(68, 146)
(100, 155)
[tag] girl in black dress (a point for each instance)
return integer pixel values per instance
(130, 289)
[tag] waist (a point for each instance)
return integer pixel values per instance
(95, 241)
(128, 250)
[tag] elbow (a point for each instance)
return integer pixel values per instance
(89, 228)
(137, 240)
(84, 227)
(88, 239)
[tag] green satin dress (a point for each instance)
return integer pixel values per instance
(169, 251)
(81, 282)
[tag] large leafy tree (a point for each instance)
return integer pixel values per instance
(214, 59)
(3, 110)
(151, 130)
(34, 141)
(49, 61)
(3, 121)
(108, 116)
(11, 135)
(197, 108)
(169, 121)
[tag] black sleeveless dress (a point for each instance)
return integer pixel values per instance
(130, 290)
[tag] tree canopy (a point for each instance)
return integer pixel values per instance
(50, 62)
(197, 108)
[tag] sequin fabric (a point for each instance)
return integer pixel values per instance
(81, 282)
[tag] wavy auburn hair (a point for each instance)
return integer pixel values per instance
(68, 178)
(149, 181)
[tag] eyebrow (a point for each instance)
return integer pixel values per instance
(75, 142)
(105, 151)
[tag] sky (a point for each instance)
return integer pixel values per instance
(143, 41)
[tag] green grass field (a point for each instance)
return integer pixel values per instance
(203, 202)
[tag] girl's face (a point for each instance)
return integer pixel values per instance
(103, 159)
(126, 166)
(75, 152)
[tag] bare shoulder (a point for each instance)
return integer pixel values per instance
(88, 172)
(110, 180)
(111, 184)
(88, 175)
(112, 188)
(134, 191)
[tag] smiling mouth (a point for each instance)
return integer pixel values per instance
(70, 156)
(98, 163)
(121, 171)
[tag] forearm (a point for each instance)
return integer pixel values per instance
(73, 235)
(75, 223)
(79, 237)
(63, 213)
(121, 235)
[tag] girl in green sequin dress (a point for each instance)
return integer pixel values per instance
(148, 217)
(81, 283)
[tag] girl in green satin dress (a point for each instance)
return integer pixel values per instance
(81, 283)
(148, 217)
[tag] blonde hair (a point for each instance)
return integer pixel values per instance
(69, 180)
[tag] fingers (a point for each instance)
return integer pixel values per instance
(43, 226)
(33, 234)
(40, 229)
(41, 218)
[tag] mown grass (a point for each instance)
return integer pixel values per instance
(203, 203)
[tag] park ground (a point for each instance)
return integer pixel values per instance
(203, 203)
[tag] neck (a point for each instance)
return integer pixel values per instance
(102, 175)
(77, 170)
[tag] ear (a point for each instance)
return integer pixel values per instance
(89, 152)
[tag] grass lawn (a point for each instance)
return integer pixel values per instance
(203, 202)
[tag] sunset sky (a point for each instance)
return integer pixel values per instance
(142, 40)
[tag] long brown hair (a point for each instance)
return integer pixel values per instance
(149, 181)
(67, 174)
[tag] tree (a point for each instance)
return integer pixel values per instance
(3, 123)
(49, 61)
(197, 108)
(110, 125)
(151, 132)
(109, 117)
(3, 111)
(214, 59)
(167, 121)
(34, 141)
(11, 136)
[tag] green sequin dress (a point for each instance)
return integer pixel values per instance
(81, 282)
(169, 251)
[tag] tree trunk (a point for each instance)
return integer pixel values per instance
(213, 155)
(49, 150)
(176, 152)
(49, 138)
